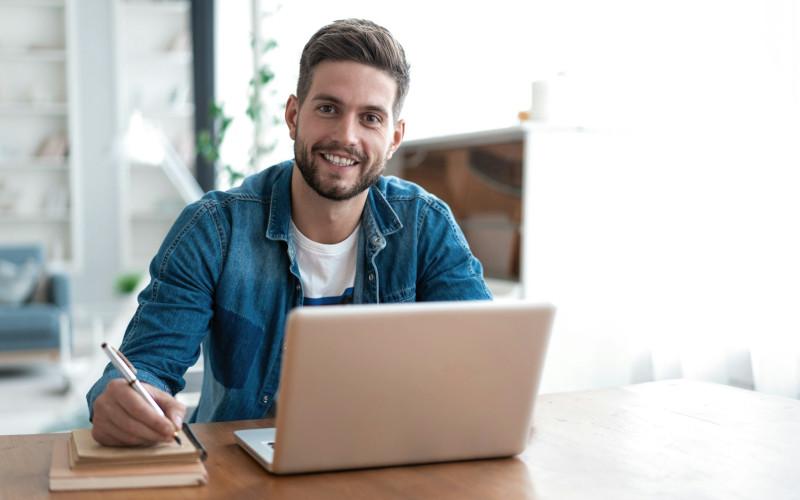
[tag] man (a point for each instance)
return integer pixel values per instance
(325, 228)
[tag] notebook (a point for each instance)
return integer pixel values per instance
(80, 463)
(84, 451)
(368, 386)
(65, 478)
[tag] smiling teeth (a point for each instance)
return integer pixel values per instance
(338, 160)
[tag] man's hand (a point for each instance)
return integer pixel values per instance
(123, 418)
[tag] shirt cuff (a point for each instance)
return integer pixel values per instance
(112, 373)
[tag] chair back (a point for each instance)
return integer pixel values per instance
(21, 253)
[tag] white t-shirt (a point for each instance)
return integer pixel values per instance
(327, 272)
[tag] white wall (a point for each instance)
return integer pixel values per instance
(234, 68)
(97, 162)
(666, 233)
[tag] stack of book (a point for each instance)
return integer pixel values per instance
(81, 463)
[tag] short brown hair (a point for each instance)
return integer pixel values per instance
(360, 41)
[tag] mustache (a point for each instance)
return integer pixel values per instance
(358, 154)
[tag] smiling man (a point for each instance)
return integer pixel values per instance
(349, 112)
(325, 228)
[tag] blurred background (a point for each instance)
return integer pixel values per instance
(635, 163)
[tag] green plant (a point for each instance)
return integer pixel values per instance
(256, 110)
(126, 283)
(209, 144)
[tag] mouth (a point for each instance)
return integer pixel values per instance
(339, 160)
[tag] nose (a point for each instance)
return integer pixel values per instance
(346, 131)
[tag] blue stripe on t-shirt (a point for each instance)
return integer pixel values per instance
(344, 298)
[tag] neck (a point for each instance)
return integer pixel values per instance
(320, 219)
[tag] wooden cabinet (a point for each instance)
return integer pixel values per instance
(481, 176)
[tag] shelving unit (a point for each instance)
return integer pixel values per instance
(482, 176)
(37, 174)
(155, 75)
(35, 164)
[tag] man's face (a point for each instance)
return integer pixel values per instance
(344, 131)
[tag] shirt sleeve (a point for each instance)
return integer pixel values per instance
(448, 269)
(175, 310)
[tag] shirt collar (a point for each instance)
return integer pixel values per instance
(280, 204)
(379, 215)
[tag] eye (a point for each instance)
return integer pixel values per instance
(373, 119)
(326, 109)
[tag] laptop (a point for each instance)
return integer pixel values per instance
(383, 385)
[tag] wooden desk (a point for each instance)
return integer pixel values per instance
(666, 440)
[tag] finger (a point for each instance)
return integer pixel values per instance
(140, 431)
(138, 409)
(103, 430)
(112, 417)
(122, 411)
(174, 409)
(102, 420)
(108, 433)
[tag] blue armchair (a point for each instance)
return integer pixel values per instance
(37, 325)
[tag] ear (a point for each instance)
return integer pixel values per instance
(397, 137)
(290, 115)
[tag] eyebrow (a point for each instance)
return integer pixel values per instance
(336, 100)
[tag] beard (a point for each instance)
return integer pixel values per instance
(307, 163)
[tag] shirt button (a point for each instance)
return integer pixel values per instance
(370, 276)
(265, 399)
(376, 240)
(297, 287)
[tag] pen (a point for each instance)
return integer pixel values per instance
(196, 442)
(128, 371)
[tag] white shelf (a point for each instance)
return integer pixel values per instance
(16, 219)
(32, 3)
(161, 7)
(34, 108)
(468, 139)
(34, 62)
(32, 55)
(162, 58)
(35, 164)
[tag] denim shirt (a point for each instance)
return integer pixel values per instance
(226, 277)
